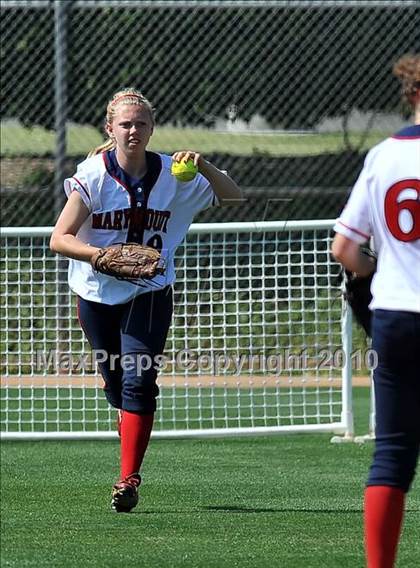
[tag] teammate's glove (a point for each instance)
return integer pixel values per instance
(358, 295)
(128, 261)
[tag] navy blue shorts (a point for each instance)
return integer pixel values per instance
(130, 336)
(396, 339)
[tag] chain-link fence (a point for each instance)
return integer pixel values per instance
(285, 95)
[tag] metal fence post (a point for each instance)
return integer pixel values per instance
(60, 94)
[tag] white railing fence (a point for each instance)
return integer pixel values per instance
(260, 340)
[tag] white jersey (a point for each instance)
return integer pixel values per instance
(156, 210)
(385, 204)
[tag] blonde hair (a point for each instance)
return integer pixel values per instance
(127, 96)
(407, 69)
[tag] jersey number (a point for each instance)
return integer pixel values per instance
(393, 208)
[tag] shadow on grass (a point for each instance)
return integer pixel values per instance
(235, 509)
(241, 510)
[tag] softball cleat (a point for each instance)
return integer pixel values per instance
(125, 494)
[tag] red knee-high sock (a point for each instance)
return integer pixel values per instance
(384, 508)
(135, 435)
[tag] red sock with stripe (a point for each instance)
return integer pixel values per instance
(135, 435)
(384, 509)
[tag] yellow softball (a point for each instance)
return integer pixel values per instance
(184, 170)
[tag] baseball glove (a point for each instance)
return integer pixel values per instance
(128, 261)
(358, 295)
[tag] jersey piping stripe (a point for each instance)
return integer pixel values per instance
(354, 230)
(108, 169)
(396, 137)
(84, 189)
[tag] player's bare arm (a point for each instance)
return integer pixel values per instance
(226, 190)
(348, 253)
(63, 238)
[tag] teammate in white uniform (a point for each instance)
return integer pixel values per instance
(385, 204)
(124, 193)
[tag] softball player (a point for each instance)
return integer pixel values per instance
(385, 204)
(124, 193)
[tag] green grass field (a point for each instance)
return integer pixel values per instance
(286, 501)
(37, 141)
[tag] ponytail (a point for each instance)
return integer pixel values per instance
(107, 145)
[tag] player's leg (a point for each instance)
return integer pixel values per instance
(144, 329)
(397, 393)
(101, 325)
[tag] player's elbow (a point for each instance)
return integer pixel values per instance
(338, 251)
(55, 243)
(347, 253)
(231, 196)
(344, 250)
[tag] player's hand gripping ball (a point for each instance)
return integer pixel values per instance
(185, 170)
